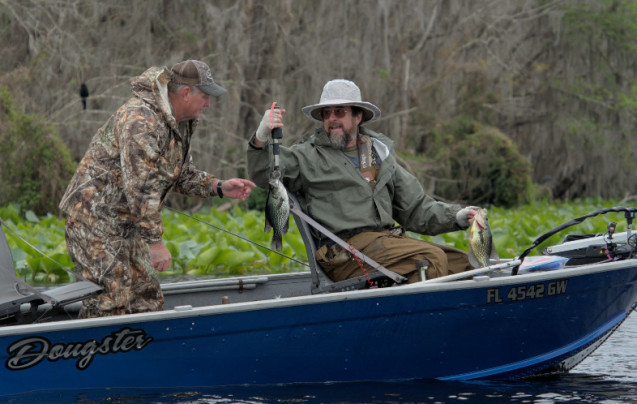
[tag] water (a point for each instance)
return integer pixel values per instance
(608, 376)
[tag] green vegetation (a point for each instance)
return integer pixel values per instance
(197, 249)
(35, 166)
(607, 31)
(203, 251)
(483, 163)
(603, 20)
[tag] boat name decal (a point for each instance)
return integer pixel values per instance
(519, 293)
(28, 352)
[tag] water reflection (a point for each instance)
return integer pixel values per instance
(577, 388)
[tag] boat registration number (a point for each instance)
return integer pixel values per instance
(526, 292)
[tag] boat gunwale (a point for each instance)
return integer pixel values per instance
(410, 289)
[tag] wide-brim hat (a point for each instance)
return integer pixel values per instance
(196, 73)
(342, 92)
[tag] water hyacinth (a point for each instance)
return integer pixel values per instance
(197, 249)
(201, 250)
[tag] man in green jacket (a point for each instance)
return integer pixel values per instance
(347, 178)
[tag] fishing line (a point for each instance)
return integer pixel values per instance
(68, 270)
(236, 235)
(271, 119)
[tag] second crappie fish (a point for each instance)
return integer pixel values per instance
(481, 247)
(277, 212)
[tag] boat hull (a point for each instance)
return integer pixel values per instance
(498, 328)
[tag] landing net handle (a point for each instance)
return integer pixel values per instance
(277, 135)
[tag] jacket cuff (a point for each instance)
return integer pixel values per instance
(153, 234)
(255, 147)
(454, 211)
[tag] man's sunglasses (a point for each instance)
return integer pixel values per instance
(339, 112)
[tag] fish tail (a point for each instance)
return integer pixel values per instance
(277, 242)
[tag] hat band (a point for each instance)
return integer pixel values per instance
(186, 80)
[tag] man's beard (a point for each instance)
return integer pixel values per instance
(339, 142)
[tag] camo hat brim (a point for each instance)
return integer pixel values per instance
(196, 73)
(342, 92)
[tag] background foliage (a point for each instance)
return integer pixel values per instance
(554, 76)
(35, 166)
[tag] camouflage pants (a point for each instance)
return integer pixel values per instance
(395, 252)
(121, 266)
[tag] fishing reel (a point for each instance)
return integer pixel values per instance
(608, 238)
(616, 251)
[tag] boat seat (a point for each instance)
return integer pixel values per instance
(321, 283)
(22, 308)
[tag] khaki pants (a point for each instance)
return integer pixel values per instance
(121, 266)
(395, 252)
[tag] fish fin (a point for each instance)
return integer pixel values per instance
(468, 235)
(494, 253)
(286, 226)
(268, 225)
(474, 261)
(277, 243)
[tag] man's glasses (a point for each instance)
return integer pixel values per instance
(326, 113)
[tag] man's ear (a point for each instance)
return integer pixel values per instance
(359, 118)
(186, 93)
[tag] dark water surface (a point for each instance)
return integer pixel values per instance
(608, 376)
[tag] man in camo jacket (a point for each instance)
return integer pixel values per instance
(114, 227)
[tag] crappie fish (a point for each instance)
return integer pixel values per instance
(481, 247)
(277, 212)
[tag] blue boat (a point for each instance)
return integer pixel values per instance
(499, 322)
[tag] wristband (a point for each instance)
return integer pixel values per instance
(219, 190)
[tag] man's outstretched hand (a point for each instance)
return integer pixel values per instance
(237, 188)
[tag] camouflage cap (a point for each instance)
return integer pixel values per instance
(196, 73)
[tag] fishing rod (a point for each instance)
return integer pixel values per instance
(277, 136)
(236, 235)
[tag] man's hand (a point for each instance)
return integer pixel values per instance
(160, 257)
(263, 133)
(237, 188)
(465, 216)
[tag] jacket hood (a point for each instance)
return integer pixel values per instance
(152, 87)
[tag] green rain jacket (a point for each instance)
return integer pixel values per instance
(335, 193)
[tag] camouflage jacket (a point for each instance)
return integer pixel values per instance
(133, 162)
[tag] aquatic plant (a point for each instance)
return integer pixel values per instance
(200, 250)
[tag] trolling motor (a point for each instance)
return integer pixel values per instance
(610, 246)
(617, 251)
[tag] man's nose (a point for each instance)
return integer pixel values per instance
(207, 104)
